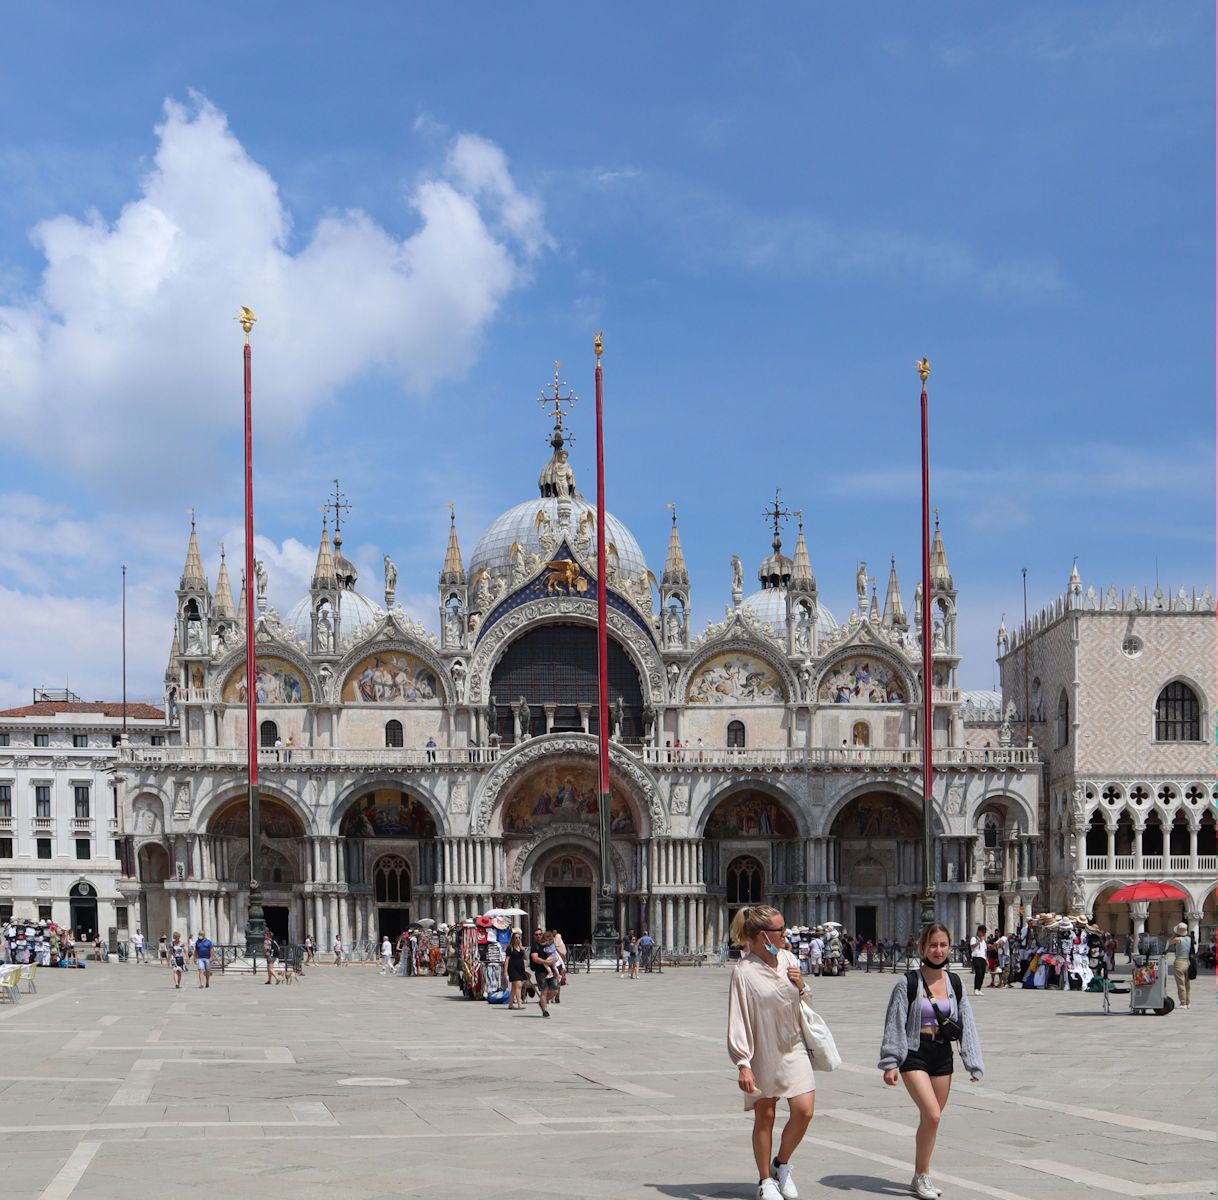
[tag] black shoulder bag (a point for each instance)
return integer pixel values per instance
(950, 1029)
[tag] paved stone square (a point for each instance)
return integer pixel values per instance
(353, 1084)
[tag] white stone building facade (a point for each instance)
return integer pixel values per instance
(1120, 693)
(60, 824)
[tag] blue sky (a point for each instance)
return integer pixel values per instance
(771, 216)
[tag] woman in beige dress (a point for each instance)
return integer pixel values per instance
(765, 1042)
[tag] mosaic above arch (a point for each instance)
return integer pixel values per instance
(878, 817)
(276, 819)
(862, 679)
(751, 815)
(277, 682)
(735, 678)
(388, 813)
(563, 794)
(391, 677)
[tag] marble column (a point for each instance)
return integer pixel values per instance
(1137, 849)
(1192, 848)
(1139, 910)
(1110, 834)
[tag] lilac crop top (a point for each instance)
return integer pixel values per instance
(928, 1011)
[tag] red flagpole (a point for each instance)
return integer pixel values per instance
(928, 678)
(255, 923)
(605, 934)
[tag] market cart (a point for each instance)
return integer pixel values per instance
(1148, 992)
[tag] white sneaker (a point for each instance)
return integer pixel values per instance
(767, 1189)
(786, 1185)
(922, 1187)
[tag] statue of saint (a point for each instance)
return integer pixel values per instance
(260, 580)
(458, 674)
(391, 576)
(482, 591)
(737, 574)
(860, 586)
(325, 630)
(194, 637)
(524, 718)
(564, 476)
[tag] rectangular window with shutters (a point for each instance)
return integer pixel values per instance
(42, 800)
(6, 801)
(84, 848)
(42, 739)
(44, 912)
(4, 739)
(81, 794)
(120, 916)
(6, 847)
(80, 741)
(44, 847)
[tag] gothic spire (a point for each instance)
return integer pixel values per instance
(894, 606)
(675, 572)
(873, 614)
(453, 573)
(175, 652)
(324, 576)
(192, 573)
(222, 605)
(940, 574)
(241, 606)
(801, 569)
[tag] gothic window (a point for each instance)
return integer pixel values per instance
(393, 735)
(735, 735)
(391, 880)
(744, 881)
(1177, 714)
(1097, 836)
(268, 734)
(1063, 719)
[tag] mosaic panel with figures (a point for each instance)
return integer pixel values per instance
(391, 677)
(562, 796)
(278, 682)
(735, 679)
(387, 812)
(750, 814)
(862, 680)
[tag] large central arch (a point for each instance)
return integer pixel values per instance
(576, 752)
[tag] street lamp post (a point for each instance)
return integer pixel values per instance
(928, 677)
(255, 923)
(605, 934)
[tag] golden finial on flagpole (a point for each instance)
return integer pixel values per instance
(924, 370)
(247, 318)
(598, 344)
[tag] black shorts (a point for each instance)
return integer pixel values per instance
(932, 1056)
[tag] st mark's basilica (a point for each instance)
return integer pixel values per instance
(773, 756)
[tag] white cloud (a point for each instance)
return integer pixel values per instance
(127, 346)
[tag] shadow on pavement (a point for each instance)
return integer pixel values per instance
(864, 1183)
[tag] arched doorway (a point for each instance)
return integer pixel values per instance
(82, 904)
(391, 887)
(152, 866)
(280, 869)
(568, 888)
(876, 844)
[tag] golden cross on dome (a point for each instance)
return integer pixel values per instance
(557, 405)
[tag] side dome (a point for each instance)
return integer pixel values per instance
(520, 525)
(356, 612)
(770, 605)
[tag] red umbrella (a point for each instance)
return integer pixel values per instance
(1148, 889)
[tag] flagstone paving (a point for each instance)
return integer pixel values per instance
(353, 1084)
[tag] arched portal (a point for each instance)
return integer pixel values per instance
(875, 856)
(280, 869)
(568, 891)
(391, 887)
(389, 814)
(554, 669)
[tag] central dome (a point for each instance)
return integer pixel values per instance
(570, 517)
(520, 525)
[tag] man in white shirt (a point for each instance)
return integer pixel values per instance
(977, 951)
(137, 942)
(816, 952)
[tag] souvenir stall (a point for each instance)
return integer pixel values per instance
(1059, 952)
(478, 952)
(1148, 993)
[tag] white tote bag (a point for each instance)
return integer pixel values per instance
(822, 1049)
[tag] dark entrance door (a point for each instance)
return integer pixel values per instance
(865, 921)
(277, 922)
(569, 910)
(83, 917)
(392, 923)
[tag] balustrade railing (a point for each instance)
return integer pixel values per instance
(658, 756)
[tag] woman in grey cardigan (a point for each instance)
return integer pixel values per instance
(915, 1047)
